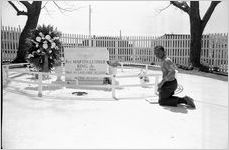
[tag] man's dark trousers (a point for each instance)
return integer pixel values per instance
(166, 92)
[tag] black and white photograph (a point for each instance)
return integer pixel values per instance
(114, 74)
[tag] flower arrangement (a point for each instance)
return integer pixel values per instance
(44, 47)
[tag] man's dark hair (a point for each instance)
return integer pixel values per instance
(159, 47)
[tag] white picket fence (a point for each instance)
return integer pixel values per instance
(9, 42)
(136, 49)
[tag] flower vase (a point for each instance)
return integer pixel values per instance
(45, 67)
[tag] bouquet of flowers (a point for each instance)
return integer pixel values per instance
(44, 47)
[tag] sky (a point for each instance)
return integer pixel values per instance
(133, 18)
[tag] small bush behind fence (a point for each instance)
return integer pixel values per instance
(135, 49)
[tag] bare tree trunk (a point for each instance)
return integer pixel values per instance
(197, 26)
(195, 48)
(31, 23)
(196, 34)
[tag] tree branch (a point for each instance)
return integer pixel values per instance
(181, 5)
(26, 3)
(66, 9)
(46, 9)
(18, 11)
(208, 13)
(60, 9)
(48, 12)
(45, 4)
(160, 10)
(12, 4)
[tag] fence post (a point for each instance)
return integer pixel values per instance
(116, 50)
(39, 84)
(156, 82)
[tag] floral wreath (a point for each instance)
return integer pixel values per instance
(44, 41)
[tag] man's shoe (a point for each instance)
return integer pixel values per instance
(190, 102)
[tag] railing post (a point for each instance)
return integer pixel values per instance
(156, 82)
(113, 86)
(77, 80)
(59, 73)
(39, 84)
(6, 70)
(62, 64)
(147, 68)
(121, 66)
(7, 73)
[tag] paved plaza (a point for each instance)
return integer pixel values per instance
(130, 122)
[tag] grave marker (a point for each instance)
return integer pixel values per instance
(83, 61)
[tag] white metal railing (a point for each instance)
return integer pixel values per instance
(113, 77)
